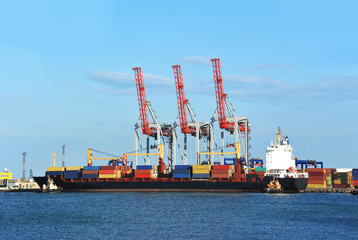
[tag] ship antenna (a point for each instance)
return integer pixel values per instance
(278, 136)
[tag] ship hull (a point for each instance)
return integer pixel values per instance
(291, 184)
(134, 185)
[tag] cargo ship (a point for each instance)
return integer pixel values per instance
(183, 178)
(119, 176)
(281, 165)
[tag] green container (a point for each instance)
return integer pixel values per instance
(260, 169)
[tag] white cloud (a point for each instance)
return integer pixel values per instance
(121, 79)
(196, 60)
(267, 66)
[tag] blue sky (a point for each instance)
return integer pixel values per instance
(66, 73)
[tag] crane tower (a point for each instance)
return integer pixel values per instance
(231, 123)
(194, 128)
(154, 129)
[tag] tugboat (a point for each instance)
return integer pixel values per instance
(280, 165)
(49, 187)
(274, 187)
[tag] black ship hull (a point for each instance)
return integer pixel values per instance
(133, 185)
(41, 181)
(291, 184)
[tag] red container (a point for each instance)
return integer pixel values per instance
(110, 167)
(316, 181)
(220, 175)
(315, 170)
(316, 174)
(220, 171)
(107, 171)
(354, 182)
(143, 171)
(143, 175)
(340, 185)
(222, 167)
(316, 178)
(90, 172)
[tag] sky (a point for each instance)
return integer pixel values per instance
(66, 74)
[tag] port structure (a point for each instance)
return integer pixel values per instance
(154, 129)
(239, 126)
(197, 129)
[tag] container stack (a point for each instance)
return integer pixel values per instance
(355, 177)
(260, 172)
(90, 172)
(182, 171)
(72, 172)
(126, 169)
(55, 171)
(317, 177)
(342, 178)
(145, 171)
(222, 171)
(201, 171)
(110, 172)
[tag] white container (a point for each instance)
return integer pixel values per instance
(344, 170)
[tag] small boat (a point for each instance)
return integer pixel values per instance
(274, 187)
(49, 187)
(355, 190)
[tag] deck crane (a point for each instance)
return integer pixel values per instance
(155, 129)
(230, 123)
(194, 128)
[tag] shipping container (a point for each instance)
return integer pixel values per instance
(177, 167)
(144, 167)
(201, 175)
(201, 171)
(110, 167)
(260, 169)
(86, 176)
(343, 170)
(107, 171)
(107, 176)
(311, 185)
(221, 171)
(74, 168)
(71, 174)
(201, 167)
(55, 169)
(223, 167)
(220, 175)
(54, 173)
(84, 172)
(143, 175)
(182, 171)
(91, 167)
(178, 175)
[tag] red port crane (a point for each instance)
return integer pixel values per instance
(194, 127)
(233, 124)
(155, 129)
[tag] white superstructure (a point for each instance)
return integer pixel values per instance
(280, 160)
(279, 155)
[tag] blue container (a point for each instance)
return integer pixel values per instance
(182, 171)
(177, 167)
(71, 174)
(144, 167)
(201, 175)
(53, 173)
(91, 167)
(181, 175)
(89, 176)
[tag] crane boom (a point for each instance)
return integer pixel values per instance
(220, 95)
(142, 101)
(182, 101)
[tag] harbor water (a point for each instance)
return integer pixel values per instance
(162, 215)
